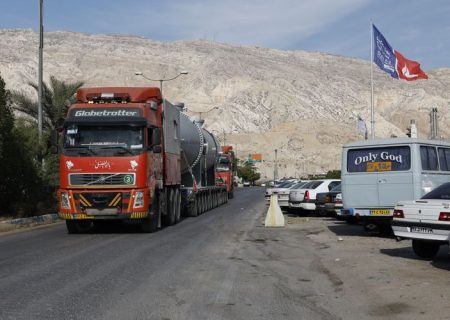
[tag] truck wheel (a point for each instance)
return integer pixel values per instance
(192, 209)
(198, 204)
(426, 250)
(177, 199)
(169, 218)
(231, 195)
(76, 226)
(202, 204)
(216, 200)
(150, 224)
(209, 201)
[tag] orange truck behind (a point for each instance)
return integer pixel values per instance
(225, 170)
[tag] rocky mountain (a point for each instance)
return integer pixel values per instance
(304, 104)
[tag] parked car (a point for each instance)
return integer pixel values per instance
(246, 184)
(283, 193)
(278, 188)
(426, 221)
(330, 202)
(305, 198)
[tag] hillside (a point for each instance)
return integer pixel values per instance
(305, 104)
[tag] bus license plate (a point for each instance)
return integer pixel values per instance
(421, 230)
(380, 212)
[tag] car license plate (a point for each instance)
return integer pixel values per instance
(421, 230)
(380, 212)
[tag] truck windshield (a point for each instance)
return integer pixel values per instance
(103, 140)
(224, 164)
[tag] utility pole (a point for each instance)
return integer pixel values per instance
(224, 141)
(275, 168)
(434, 123)
(40, 69)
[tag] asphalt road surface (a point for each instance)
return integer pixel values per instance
(221, 265)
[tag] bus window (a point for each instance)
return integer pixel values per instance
(444, 158)
(379, 159)
(429, 158)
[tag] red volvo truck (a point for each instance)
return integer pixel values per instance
(225, 170)
(129, 154)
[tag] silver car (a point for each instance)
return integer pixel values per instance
(280, 189)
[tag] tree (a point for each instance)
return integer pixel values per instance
(57, 97)
(333, 174)
(56, 100)
(19, 182)
(248, 173)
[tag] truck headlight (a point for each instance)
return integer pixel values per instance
(65, 200)
(138, 199)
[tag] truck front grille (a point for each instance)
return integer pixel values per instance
(102, 179)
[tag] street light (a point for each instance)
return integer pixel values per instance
(40, 67)
(139, 73)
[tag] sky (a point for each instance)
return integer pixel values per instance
(419, 29)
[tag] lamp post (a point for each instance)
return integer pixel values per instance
(202, 112)
(139, 73)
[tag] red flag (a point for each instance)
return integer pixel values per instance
(408, 70)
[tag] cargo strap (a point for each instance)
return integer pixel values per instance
(194, 185)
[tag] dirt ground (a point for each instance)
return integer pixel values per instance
(377, 273)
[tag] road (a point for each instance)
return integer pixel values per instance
(221, 265)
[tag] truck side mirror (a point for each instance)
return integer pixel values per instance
(53, 148)
(156, 137)
(157, 148)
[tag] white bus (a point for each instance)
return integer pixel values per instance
(376, 174)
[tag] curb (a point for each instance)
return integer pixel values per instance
(46, 218)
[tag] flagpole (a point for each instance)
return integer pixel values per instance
(372, 111)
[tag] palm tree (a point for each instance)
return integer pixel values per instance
(56, 99)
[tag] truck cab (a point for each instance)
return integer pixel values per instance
(225, 170)
(114, 158)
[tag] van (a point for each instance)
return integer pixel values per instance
(376, 174)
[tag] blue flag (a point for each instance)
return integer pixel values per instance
(383, 54)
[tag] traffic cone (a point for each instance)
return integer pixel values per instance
(274, 217)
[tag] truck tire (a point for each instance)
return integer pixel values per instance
(426, 250)
(170, 217)
(230, 195)
(201, 204)
(151, 223)
(192, 208)
(177, 199)
(78, 226)
(216, 199)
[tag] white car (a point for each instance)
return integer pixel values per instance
(280, 190)
(305, 198)
(283, 194)
(426, 221)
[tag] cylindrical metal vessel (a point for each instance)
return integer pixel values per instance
(212, 148)
(196, 142)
